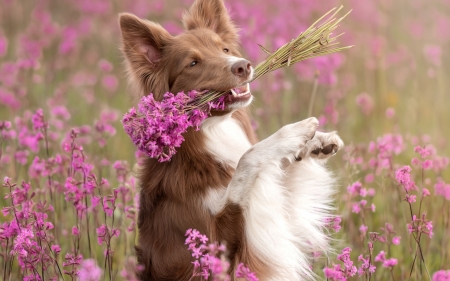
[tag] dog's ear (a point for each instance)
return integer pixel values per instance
(211, 14)
(142, 44)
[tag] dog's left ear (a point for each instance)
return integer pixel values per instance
(211, 14)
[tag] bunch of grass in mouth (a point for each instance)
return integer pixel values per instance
(317, 40)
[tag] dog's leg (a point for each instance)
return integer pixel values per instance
(311, 188)
(256, 188)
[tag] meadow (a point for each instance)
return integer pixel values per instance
(69, 198)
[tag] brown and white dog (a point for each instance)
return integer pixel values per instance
(268, 209)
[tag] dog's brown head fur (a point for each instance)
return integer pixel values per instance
(203, 57)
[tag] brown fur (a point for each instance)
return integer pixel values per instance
(172, 192)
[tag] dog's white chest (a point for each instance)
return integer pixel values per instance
(225, 139)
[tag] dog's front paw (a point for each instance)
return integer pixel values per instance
(322, 146)
(295, 136)
(286, 141)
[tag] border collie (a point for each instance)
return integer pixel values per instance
(267, 201)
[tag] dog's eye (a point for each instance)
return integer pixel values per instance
(226, 50)
(193, 63)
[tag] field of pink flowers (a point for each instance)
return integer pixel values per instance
(70, 199)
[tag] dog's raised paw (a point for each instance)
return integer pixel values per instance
(294, 137)
(322, 146)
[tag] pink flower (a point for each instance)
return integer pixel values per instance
(363, 192)
(390, 112)
(9, 99)
(38, 120)
(3, 46)
(334, 273)
(21, 156)
(410, 198)
(244, 272)
(61, 111)
(365, 103)
(442, 189)
(366, 266)
(429, 227)
(363, 229)
(102, 233)
(441, 275)
(56, 249)
(425, 192)
(68, 44)
(355, 208)
(89, 271)
(381, 257)
(110, 82)
(72, 260)
(424, 151)
(354, 188)
(403, 177)
(363, 203)
(389, 263)
(396, 240)
(427, 164)
(433, 54)
(105, 65)
(75, 231)
(369, 178)
(350, 269)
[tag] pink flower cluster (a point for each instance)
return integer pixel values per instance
(334, 223)
(339, 273)
(442, 189)
(422, 225)
(68, 176)
(403, 177)
(210, 260)
(367, 268)
(31, 243)
(388, 263)
(441, 275)
(156, 128)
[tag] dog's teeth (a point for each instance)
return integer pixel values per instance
(234, 93)
(243, 94)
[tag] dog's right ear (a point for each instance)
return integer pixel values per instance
(143, 43)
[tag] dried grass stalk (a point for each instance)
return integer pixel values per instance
(315, 41)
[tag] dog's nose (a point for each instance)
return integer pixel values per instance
(241, 68)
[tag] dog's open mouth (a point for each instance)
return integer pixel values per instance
(241, 93)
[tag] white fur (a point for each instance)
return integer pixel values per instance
(232, 60)
(215, 200)
(225, 139)
(284, 207)
(240, 104)
(311, 188)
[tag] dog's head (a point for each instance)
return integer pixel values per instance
(204, 57)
